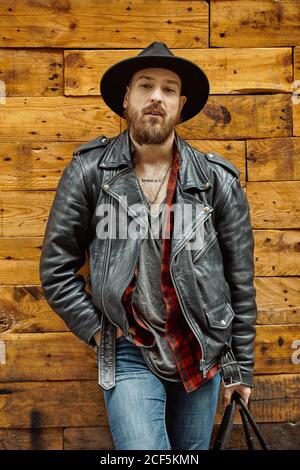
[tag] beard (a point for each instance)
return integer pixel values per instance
(147, 130)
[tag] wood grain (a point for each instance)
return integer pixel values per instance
(19, 261)
(33, 165)
(18, 69)
(232, 150)
(55, 119)
(94, 24)
(274, 349)
(275, 399)
(62, 356)
(278, 300)
(47, 356)
(279, 436)
(230, 71)
(273, 159)
(274, 204)
(296, 111)
(39, 166)
(240, 117)
(24, 213)
(277, 252)
(31, 439)
(254, 23)
(85, 438)
(24, 309)
(51, 404)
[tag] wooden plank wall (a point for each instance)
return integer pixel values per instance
(52, 55)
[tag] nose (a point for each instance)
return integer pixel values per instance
(156, 94)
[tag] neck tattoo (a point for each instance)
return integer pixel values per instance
(155, 180)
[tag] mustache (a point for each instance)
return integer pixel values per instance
(154, 110)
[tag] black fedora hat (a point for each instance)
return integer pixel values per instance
(195, 84)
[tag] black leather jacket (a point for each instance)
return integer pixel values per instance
(214, 284)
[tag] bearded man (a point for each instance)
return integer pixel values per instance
(168, 317)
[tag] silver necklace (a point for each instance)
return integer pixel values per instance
(162, 182)
(152, 201)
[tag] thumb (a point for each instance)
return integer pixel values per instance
(227, 396)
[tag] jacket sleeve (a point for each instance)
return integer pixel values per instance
(236, 242)
(64, 252)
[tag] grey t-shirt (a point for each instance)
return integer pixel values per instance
(147, 300)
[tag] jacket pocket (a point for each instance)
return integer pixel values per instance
(220, 316)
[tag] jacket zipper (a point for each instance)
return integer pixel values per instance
(202, 362)
(193, 230)
(105, 271)
(127, 281)
(107, 250)
(209, 242)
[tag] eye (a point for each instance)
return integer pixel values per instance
(170, 90)
(145, 85)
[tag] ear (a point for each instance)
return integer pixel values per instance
(125, 101)
(182, 101)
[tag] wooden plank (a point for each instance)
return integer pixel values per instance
(24, 213)
(296, 111)
(277, 252)
(46, 356)
(297, 66)
(232, 150)
(296, 92)
(274, 205)
(279, 436)
(31, 439)
(254, 23)
(51, 404)
(20, 248)
(240, 117)
(33, 165)
(234, 71)
(275, 398)
(17, 272)
(278, 300)
(275, 349)
(273, 159)
(62, 356)
(24, 309)
(56, 119)
(38, 166)
(99, 438)
(19, 267)
(19, 261)
(102, 25)
(18, 69)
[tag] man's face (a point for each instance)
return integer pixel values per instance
(153, 105)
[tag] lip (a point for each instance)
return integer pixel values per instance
(154, 114)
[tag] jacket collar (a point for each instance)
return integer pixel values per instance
(191, 171)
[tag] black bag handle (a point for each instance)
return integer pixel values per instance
(222, 438)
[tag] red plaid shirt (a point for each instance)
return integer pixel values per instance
(185, 347)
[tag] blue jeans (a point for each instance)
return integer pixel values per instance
(149, 413)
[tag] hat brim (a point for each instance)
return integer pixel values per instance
(195, 84)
